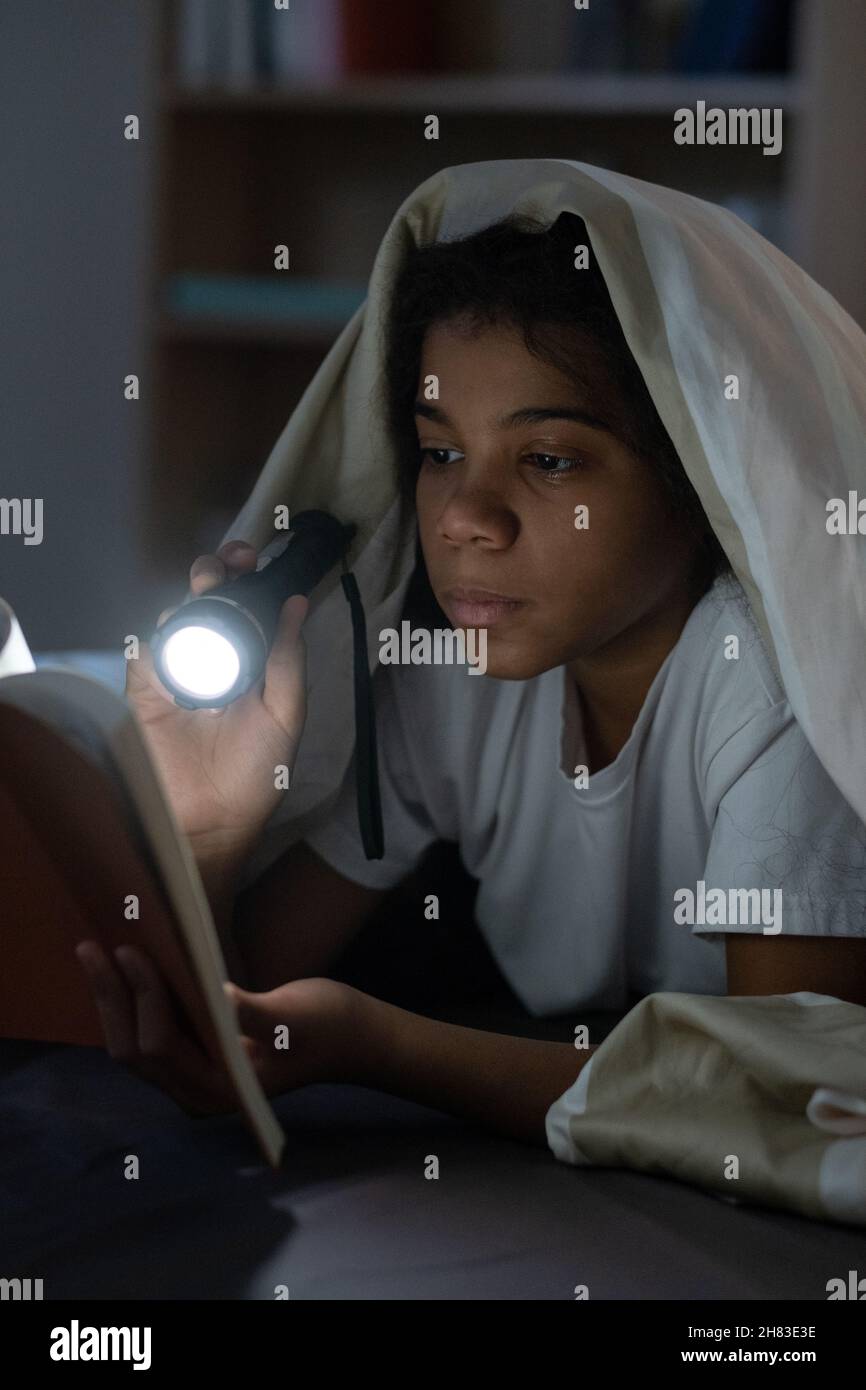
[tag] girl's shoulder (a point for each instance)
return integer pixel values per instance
(726, 677)
(723, 639)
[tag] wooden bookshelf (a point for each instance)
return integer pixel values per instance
(614, 95)
(232, 163)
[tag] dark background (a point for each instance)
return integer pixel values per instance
(95, 229)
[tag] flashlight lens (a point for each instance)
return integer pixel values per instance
(201, 661)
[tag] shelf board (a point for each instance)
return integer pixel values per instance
(554, 93)
(200, 328)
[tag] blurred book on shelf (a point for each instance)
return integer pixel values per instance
(389, 36)
(216, 41)
(305, 41)
(685, 36)
(247, 42)
(296, 300)
(243, 42)
(618, 36)
(739, 36)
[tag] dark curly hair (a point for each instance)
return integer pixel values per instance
(519, 273)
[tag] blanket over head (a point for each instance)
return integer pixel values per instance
(701, 297)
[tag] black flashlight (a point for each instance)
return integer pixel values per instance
(214, 647)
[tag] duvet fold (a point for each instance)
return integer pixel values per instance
(758, 1099)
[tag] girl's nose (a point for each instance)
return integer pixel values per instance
(478, 516)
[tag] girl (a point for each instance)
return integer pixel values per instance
(629, 749)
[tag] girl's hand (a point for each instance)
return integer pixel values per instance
(141, 1028)
(218, 765)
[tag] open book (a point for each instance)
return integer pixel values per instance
(91, 850)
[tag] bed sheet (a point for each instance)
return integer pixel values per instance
(350, 1214)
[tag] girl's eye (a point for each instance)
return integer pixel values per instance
(551, 465)
(429, 453)
(544, 460)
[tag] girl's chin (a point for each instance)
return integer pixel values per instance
(512, 662)
(510, 651)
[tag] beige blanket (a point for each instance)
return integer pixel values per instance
(700, 296)
(759, 1099)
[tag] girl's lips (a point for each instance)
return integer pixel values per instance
(478, 611)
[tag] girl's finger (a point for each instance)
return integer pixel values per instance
(238, 555)
(156, 1026)
(285, 688)
(233, 558)
(141, 674)
(251, 1019)
(112, 1000)
(256, 1037)
(205, 572)
(258, 1015)
(169, 1058)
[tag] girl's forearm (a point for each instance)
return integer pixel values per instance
(502, 1082)
(220, 873)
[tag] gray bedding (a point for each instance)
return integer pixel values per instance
(350, 1214)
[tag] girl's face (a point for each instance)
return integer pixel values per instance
(508, 452)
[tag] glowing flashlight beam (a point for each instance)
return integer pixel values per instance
(201, 661)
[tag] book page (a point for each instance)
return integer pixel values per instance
(15, 655)
(99, 727)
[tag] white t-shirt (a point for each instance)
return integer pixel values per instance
(716, 785)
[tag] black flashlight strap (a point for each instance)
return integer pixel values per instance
(369, 801)
(316, 543)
